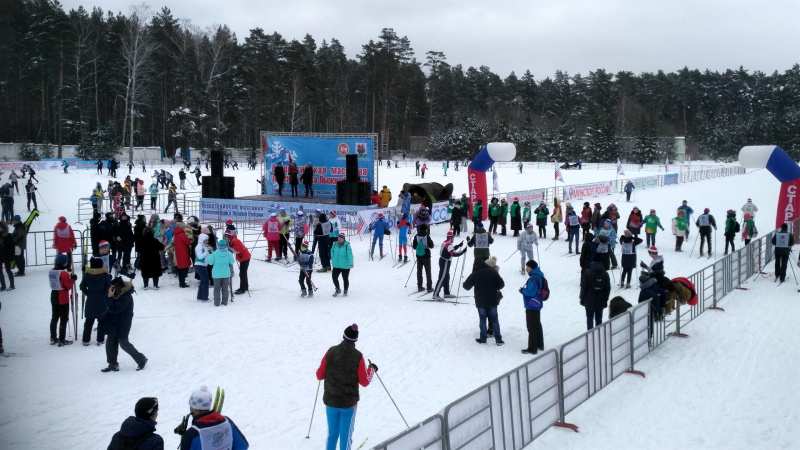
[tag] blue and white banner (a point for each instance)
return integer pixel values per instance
(393, 214)
(670, 178)
(326, 155)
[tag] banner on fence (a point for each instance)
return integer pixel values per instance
(216, 209)
(670, 178)
(393, 214)
(534, 196)
(645, 182)
(326, 155)
(37, 165)
(588, 190)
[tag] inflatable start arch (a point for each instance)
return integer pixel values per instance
(476, 172)
(784, 169)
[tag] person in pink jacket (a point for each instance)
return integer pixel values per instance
(272, 234)
(64, 240)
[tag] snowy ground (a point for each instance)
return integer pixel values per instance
(264, 349)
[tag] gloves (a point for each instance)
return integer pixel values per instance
(581, 302)
(642, 265)
(458, 246)
(180, 429)
(373, 366)
(520, 290)
(73, 276)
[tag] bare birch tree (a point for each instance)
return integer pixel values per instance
(137, 48)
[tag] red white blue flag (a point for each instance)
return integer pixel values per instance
(620, 170)
(558, 173)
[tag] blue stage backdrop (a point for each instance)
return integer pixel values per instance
(326, 155)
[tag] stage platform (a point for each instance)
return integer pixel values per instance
(288, 199)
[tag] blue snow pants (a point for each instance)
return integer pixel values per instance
(340, 427)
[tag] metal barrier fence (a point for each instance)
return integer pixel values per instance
(629, 167)
(511, 411)
(39, 249)
(187, 204)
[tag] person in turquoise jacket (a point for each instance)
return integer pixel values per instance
(153, 189)
(342, 262)
(222, 260)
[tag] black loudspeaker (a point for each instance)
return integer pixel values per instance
(208, 187)
(353, 193)
(364, 192)
(217, 162)
(227, 188)
(351, 173)
(219, 187)
(340, 192)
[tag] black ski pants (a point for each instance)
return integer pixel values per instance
(781, 262)
(305, 279)
(244, 285)
(444, 277)
(6, 265)
(535, 334)
(424, 262)
(705, 238)
(60, 312)
(729, 240)
(345, 277)
(113, 344)
(88, 324)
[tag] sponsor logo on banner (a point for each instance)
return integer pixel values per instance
(670, 178)
(393, 214)
(526, 196)
(644, 183)
(588, 190)
(343, 149)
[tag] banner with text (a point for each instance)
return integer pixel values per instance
(670, 178)
(393, 214)
(645, 182)
(534, 196)
(588, 190)
(326, 155)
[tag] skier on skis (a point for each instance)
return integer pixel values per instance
(731, 228)
(402, 238)
(525, 243)
(573, 224)
(377, 227)
(422, 245)
(612, 241)
(783, 242)
(343, 368)
(680, 229)
(628, 242)
(61, 283)
(446, 255)
(306, 263)
(242, 256)
(704, 223)
(271, 230)
(750, 208)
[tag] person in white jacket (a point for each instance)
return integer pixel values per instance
(525, 243)
(750, 208)
(201, 267)
(335, 227)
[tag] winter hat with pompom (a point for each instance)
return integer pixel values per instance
(351, 333)
(201, 399)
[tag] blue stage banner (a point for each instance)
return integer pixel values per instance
(670, 178)
(326, 155)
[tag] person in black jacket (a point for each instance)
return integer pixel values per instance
(488, 283)
(308, 180)
(704, 223)
(657, 296)
(423, 244)
(95, 285)
(108, 233)
(116, 321)
(783, 242)
(455, 219)
(150, 250)
(280, 175)
(595, 289)
(96, 234)
(139, 431)
(138, 229)
(124, 239)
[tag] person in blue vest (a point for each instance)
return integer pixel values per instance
(209, 429)
(377, 227)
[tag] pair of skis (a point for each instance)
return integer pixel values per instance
(219, 400)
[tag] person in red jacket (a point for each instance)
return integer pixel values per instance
(586, 219)
(61, 283)
(343, 369)
(64, 240)
(376, 199)
(242, 257)
(182, 259)
(271, 230)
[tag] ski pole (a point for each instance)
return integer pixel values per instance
(314, 409)
(390, 396)
(792, 267)
(539, 257)
(509, 256)
(695, 243)
(453, 280)
(412, 271)
(554, 240)
(461, 277)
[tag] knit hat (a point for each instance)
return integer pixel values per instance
(201, 399)
(118, 282)
(95, 263)
(351, 333)
(597, 205)
(652, 211)
(527, 203)
(449, 235)
(532, 264)
(227, 234)
(16, 218)
(154, 217)
(61, 259)
(342, 236)
(304, 245)
(332, 213)
(530, 225)
(103, 244)
(300, 213)
(273, 215)
(480, 224)
(747, 215)
(380, 215)
(706, 210)
(749, 199)
(653, 249)
(516, 199)
(608, 221)
(229, 221)
(62, 219)
(222, 243)
(146, 407)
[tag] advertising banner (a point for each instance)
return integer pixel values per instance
(37, 165)
(393, 214)
(788, 203)
(670, 178)
(645, 182)
(534, 196)
(588, 190)
(326, 155)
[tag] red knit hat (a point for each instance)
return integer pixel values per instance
(653, 249)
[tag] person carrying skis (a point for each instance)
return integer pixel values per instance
(750, 208)
(731, 228)
(533, 301)
(541, 219)
(306, 263)
(651, 223)
(704, 223)
(209, 426)
(342, 369)
(378, 227)
(242, 256)
(422, 245)
(749, 230)
(525, 243)
(95, 285)
(516, 217)
(628, 242)
(342, 262)
(783, 242)
(680, 229)
(222, 260)
(446, 255)
(61, 283)
(139, 430)
(573, 224)
(629, 187)
(481, 240)
(402, 238)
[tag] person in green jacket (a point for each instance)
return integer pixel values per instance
(731, 228)
(526, 215)
(516, 217)
(477, 214)
(342, 262)
(749, 230)
(222, 260)
(503, 216)
(651, 223)
(494, 215)
(541, 219)
(680, 228)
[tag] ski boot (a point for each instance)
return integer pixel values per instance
(430, 290)
(53, 341)
(449, 296)
(627, 286)
(344, 294)
(310, 293)
(64, 342)
(303, 293)
(399, 258)
(336, 294)
(437, 298)
(405, 258)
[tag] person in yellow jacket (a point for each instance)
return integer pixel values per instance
(557, 217)
(386, 196)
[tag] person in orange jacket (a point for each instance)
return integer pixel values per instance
(242, 257)
(64, 240)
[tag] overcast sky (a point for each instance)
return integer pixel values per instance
(540, 36)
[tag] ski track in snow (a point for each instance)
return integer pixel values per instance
(265, 349)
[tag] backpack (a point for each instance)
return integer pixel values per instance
(544, 292)
(599, 283)
(127, 443)
(421, 245)
(423, 215)
(737, 228)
